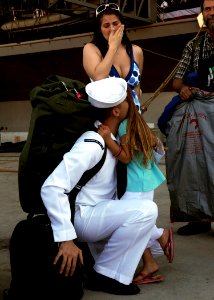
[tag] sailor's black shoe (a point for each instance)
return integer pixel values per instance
(98, 282)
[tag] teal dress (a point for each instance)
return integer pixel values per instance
(139, 178)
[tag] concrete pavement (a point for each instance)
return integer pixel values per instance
(189, 277)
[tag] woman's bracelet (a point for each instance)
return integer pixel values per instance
(118, 153)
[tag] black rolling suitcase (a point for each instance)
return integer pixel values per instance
(34, 277)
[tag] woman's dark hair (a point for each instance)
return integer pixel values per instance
(202, 5)
(99, 40)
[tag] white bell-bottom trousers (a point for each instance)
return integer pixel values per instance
(117, 233)
(153, 244)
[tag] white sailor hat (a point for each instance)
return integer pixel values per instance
(108, 92)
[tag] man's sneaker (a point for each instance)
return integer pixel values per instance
(194, 228)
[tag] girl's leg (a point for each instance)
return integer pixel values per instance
(167, 244)
(159, 237)
(150, 266)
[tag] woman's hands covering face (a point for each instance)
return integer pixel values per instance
(115, 37)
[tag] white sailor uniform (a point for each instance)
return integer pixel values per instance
(121, 229)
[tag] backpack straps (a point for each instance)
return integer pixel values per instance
(91, 172)
(83, 180)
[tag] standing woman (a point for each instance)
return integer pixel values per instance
(110, 53)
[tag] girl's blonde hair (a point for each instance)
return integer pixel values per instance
(139, 137)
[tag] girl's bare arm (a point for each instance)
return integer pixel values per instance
(121, 151)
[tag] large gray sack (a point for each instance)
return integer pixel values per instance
(190, 159)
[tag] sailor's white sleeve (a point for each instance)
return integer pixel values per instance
(81, 157)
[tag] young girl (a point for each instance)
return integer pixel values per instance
(141, 151)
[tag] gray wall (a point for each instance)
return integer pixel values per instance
(15, 115)
(156, 107)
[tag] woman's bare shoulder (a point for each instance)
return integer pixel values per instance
(138, 55)
(137, 49)
(90, 47)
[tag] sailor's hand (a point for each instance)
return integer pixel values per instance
(71, 255)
